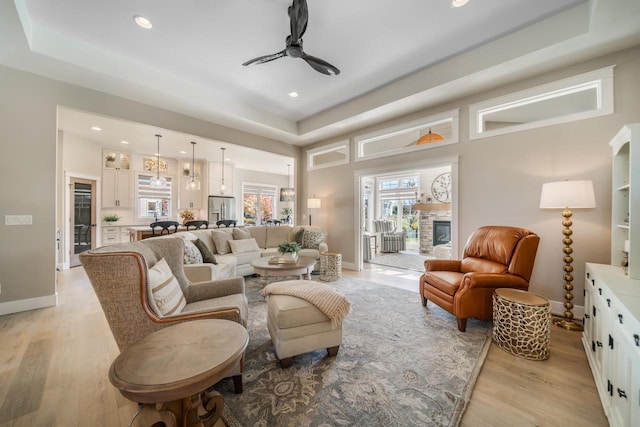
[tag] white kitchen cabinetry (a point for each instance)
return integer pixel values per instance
(191, 199)
(611, 339)
(625, 220)
(114, 234)
(117, 185)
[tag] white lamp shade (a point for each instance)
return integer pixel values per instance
(313, 203)
(567, 194)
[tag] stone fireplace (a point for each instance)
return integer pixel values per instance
(434, 222)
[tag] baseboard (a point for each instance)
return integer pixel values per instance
(557, 309)
(28, 304)
(349, 266)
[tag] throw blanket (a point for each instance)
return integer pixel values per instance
(329, 301)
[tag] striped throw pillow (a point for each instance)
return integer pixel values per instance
(165, 289)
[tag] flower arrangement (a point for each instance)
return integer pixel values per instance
(110, 218)
(289, 247)
(187, 215)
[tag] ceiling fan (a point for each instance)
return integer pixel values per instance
(298, 16)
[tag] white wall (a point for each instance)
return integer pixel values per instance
(500, 178)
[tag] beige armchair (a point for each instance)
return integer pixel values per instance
(119, 276)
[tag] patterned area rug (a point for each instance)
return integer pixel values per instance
(400, 364)
(401, 260)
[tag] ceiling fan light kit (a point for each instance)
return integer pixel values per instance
(298, 17)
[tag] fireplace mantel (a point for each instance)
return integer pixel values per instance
(431, 206)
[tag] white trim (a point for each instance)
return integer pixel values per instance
(336, 146)
(360, 174)
(402, 128)
(601, 80)
(28, 304)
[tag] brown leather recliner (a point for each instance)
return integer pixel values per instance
(494, 257)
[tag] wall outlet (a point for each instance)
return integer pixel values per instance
(18, 220)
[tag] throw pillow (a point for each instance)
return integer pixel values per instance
(221, 240)
(165, 289)
(312, 238)
(192, 254)
(243, 246)
(240, 234)
(207, 255)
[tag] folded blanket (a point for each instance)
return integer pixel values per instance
(326, 298)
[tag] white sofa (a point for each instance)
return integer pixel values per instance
(234, 249)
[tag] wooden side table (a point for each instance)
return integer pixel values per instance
(170, 370)
(521, 322)
(330, 266)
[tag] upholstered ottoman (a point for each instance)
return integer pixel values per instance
(297, 326)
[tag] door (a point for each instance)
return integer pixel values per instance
(82, 218)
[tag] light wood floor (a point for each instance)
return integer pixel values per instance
(54, 364)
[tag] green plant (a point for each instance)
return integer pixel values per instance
(111, 158)
(293, 247)
(287, 211)
(111, 218)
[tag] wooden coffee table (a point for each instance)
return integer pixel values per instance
(304, 266)
(170, 370)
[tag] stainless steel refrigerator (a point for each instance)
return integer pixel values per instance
(221, 208)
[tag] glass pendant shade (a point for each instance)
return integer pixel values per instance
(158, 181)
(287, 194)
(193, 184)
(222, 186)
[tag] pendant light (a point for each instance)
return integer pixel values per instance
(193, 184)
(429, 138)
(158, 181)
(222, 186)
(287, 194)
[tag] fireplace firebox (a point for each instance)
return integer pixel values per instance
(441, 232)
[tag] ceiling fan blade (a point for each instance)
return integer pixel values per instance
(320, 65)
(298, 16)
(266, 58)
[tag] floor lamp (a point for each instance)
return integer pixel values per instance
(567, 195)
(313, 203)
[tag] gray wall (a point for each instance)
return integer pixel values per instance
(28, 133)
(500, 178)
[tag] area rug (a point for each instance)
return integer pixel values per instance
(400, 260)
(400, 364)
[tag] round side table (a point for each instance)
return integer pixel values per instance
(521, 323)
(170, 370)
(330, 266)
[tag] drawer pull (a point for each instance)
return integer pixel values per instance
(609, 386)
(621, 393)
(588, 275)
(610, 342)
(620, 318)
(608, 302)
(600, 291)
(586, 316)
(599, 344)
(593, 282)
(637, 339)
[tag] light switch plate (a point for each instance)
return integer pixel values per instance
(18, 220)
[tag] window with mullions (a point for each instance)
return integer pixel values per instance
(153, 202)
(396, 198)
(258, 203)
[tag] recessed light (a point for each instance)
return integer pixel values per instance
(96, 128)
(124, 142)
(183, 152)
(459, 3)
(293, 94)
(142, 22)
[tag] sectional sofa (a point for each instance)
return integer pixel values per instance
(233, 249)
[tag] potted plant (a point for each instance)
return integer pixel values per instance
(287, 212)
(186, 172)
(110, 160)
(111, 218)
(289, 250)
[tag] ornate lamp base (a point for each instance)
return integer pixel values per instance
(569, 325)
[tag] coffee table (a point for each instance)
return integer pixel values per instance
(304, 266)
(170, 370)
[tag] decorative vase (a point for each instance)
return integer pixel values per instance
(290, 256)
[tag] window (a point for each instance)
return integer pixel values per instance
(404, 137)
(575, 98)
(328, 155)
(397, 195)
(153, 202)
(258, 203)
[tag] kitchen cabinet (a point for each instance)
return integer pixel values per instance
(117, 185)
(611, 339)
(115, 234)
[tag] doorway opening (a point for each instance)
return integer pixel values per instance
(82, 218)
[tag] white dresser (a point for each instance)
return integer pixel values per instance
(611, 339)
